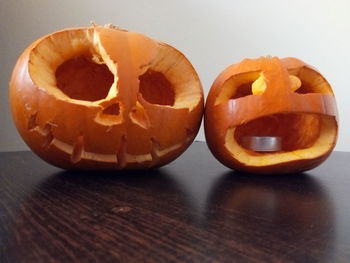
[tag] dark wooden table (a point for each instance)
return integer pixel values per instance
(193, 210)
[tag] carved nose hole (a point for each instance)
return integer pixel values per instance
(111, 115)
(78, 149)
(113, 109)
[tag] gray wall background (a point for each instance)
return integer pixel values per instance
(212, 34)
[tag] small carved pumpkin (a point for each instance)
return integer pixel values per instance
(283, 104)
(105, 98)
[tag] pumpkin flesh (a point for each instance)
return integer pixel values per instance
(269, 97)
(105, 98)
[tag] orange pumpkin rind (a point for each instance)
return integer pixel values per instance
(105, 98)
(269, 96)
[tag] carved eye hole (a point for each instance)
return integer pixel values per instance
(169, 80)
(243, 90)
(310, 81)
(259, 85)
(242, 86)
(303, 81)
(156, 88)
(237, 86)
(81, 78)
(295, 83)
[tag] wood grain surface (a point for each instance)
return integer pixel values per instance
(193, 210)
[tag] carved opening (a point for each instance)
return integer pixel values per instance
(113, 109)
(139, 116)
(156, 89)
(47, 132)
(237, 86)
(78, 149)
(121, 153)
(32, 121)
(82, 79)
(110, 115)
(295, 130)
(304, 89)
(311, 81)
(243, 90)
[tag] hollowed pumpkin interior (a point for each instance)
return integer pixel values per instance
(82, 79)
(296, 130)
(74, 66)
(156, 88)
(304, 136)
(240, 85)
(71, 66)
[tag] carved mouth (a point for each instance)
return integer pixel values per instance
(301, 135)
(104, 96)
(77, 151)
(295, 130)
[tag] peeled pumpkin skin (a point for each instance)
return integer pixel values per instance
(268, 96)
(105, 98)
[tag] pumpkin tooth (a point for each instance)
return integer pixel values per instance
(78, 149)
(118, 89)
(121, 154)
(32, 124)
(48, 136)
(155, 149)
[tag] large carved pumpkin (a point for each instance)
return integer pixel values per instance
(271, 115)
(105, 98)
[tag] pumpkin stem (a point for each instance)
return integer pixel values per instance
(93, 24)
(111, 26)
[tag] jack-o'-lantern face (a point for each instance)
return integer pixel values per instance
(271, 115)
(105, 98)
